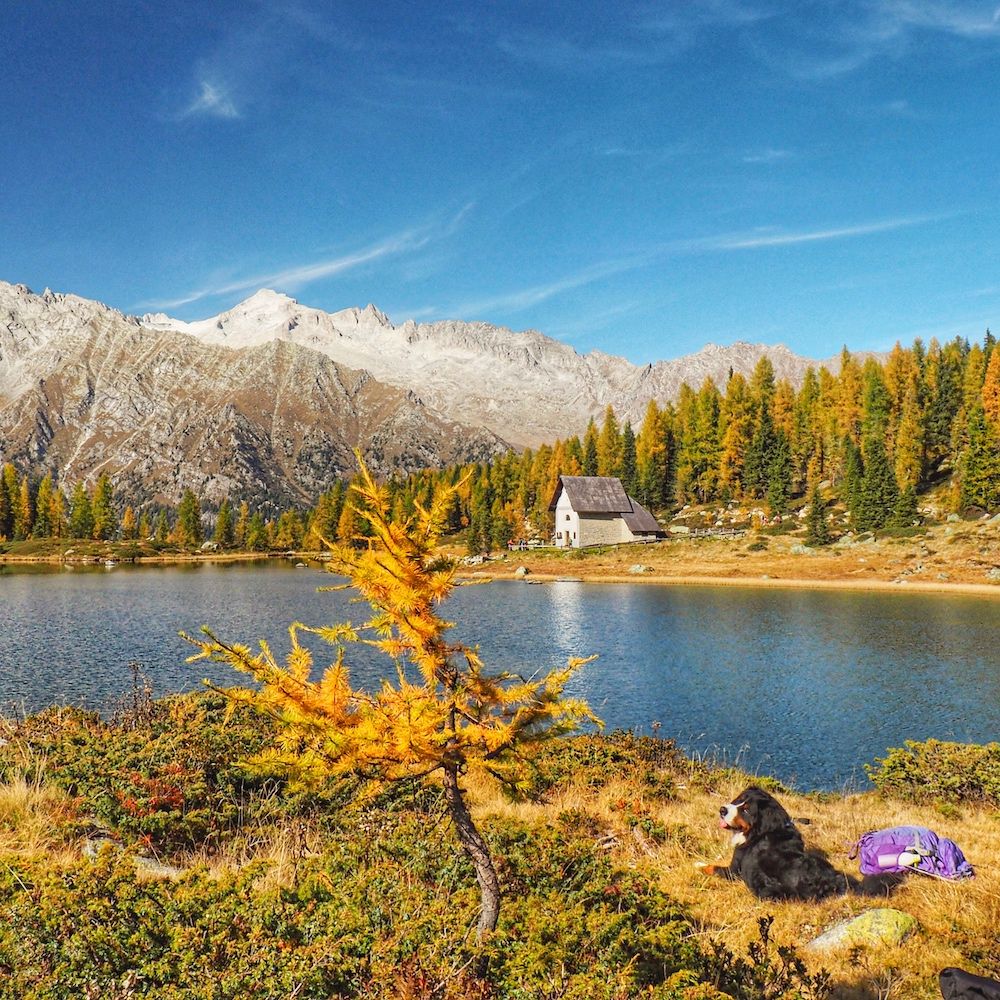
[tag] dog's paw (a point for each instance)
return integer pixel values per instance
(702, 865)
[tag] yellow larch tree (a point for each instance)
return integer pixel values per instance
(783, 408)
(991, 390)
(849, 397)
(737, 429)
(439, 714)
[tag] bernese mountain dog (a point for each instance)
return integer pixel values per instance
(770, 856)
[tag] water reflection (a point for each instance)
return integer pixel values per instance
(809, 685)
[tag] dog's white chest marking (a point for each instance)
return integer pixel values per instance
(739, 838)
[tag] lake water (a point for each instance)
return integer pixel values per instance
(805, 685)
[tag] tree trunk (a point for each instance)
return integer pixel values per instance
(476, 849)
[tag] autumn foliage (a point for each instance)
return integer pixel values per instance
(439, 713)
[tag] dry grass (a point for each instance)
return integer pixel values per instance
(36, 820)
(949, 914)
(947, 557)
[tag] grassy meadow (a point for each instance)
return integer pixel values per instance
(360, 891)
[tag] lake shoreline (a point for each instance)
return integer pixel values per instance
(769, 582)
(539, 571)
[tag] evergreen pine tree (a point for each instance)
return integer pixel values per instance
(879, 491)
(762, 385)
(875, 401)
(779, 476)
(980, 464)
(187, 531)
(288, 531)
(590, 449)
(224, 533)
(905, 511)
(42, 527)
(256, 536)
(630, 477)
(759, 455)
(817, 528)
(162, 531)
(503, 530)
(474, 536)
(102, 506)
(81, 517)
(850, 487)
(943, 368)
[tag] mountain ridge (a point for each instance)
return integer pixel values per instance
(269, 398)
(85, 388)
(480, 373)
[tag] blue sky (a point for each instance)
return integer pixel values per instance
(641, 179)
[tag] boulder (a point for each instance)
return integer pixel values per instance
(993, 574)
(637, 568)
(881, 926)
(156, 869)
(521, 571)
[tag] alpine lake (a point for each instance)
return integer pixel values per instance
(806, 685)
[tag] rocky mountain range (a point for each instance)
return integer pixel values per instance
(269, 398)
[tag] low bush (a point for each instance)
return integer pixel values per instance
(936, 771)
(369, 912)
(172, 779)
(594, 761)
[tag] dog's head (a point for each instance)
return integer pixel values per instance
(753, 814)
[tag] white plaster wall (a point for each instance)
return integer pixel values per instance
(567, 526)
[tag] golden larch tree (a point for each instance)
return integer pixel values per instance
(439, 714)
(991, 390)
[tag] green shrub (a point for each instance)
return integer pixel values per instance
(758, 545)
(171, 779)
(939, 771)
(382, 904)
(594, 761)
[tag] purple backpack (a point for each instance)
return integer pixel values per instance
(911, 848)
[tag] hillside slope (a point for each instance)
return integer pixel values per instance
(84, 388)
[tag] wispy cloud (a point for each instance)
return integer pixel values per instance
(295, 277)
(767, 156)
(896, 109)
(632, 41)
(520, 299)
(213, 100)
(299, 275)
(254, 55)
(752, 242)
(864, 31)
(525, 298)
(969, 20)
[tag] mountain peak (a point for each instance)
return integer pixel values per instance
(266, 296)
